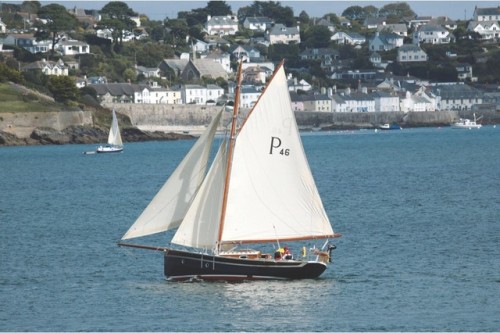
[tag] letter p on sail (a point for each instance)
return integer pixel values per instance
(275, 143)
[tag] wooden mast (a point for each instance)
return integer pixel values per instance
(232, 140)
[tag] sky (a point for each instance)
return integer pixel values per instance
(160, 9)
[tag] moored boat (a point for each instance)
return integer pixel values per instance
(115, 144)
(464, 123)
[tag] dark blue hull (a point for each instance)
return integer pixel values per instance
(183, 265)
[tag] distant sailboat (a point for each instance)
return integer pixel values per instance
(115, 144)
(259, 189)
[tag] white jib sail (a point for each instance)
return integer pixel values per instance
(272, 194)
(114, 137)
(168, 207)
(200, 226)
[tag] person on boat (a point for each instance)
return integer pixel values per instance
(279, 253)
(288, 254)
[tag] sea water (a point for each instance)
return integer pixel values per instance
(419, 210)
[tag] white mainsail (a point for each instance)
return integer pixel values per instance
(168, 207)
(272, 194)
(114, 137)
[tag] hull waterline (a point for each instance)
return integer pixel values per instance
(183, 265)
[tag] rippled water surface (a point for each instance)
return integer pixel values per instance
(419, 210)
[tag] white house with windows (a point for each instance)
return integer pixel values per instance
(385, 41)
(397, 28)
(280, 34)
(353, 102)
(56, 68)
(72, 47)
(249, 96)
(411, 53)
(222, 25)
(385, 101)
(214, 93)
(28, 42)
(487, 14)
(431, 34)
(455, 96)
(418, 102)
(487, 29)
(350, 38)
(200, 95)
(258, 23)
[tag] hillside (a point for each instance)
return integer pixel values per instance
(31, 118)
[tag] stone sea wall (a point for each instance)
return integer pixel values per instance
(22, 124)
(195, 117)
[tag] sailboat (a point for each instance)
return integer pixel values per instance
(258, 191)
(115, 144)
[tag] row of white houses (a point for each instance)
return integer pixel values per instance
(431, 98)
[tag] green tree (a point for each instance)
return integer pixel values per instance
(396, 11)
(316, 36)
(117, 16)
(354, 13)
(57, 19)
(9, 74)
(218, 8)
(31, 7)
(280, 51)
(272, 9)
(179, 30)
(303, 17)
(370, 11)
(63, 88)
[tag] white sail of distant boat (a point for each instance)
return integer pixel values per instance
(115, 143)
(259, 189)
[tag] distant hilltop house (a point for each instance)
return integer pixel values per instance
(72, 47)
(488, 30)
(399, 29)
(280, 34)
(432, 34)
(147, 72)
(245, 53)
(48, 67)
(258, 23)
(28, 42)
(222, 25)
(350, 38)
(411, 53)
(385, 41)
(486, 14)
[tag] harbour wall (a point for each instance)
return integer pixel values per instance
(22, 124)
(193, 118)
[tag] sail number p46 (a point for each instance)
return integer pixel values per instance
(276, 147)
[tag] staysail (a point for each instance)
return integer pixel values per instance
(114, 137)
(168, 207)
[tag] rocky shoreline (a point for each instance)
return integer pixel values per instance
(84, 135)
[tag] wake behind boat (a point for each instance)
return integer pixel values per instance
(259, 189)
(115, 144)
